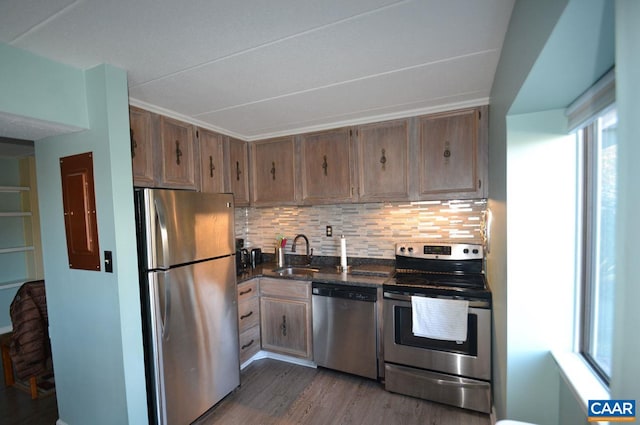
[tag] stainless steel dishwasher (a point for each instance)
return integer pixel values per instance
(345, 329)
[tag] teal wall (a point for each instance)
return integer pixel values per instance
(95, 325)
(530, 26)
(37, 88)
(541, 194)
(570, 410)
(95, 316)
(626, 344)
(518, 394)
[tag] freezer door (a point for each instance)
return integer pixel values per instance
(182, 227)
(195, 338)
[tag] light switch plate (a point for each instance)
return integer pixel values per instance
(108, 262)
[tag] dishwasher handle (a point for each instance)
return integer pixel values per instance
(349, 292)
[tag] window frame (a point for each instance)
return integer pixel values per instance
(589, 152)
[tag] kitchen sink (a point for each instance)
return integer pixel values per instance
(295, 271)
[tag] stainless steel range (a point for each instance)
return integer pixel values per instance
(437, 325)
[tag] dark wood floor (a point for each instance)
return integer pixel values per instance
(17, 408)
(278, 393)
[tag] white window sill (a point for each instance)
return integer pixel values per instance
(580, 378)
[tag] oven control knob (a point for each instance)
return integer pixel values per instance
(475, 251)
(410, 249)
(402, 249)
(466, 250)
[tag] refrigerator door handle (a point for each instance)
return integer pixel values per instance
(166, 314)
(161, 227)
(156, 311)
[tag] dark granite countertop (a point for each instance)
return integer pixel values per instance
(372, 274)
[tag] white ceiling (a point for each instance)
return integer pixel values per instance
(257, 68)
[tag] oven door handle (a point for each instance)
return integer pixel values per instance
(397, 297)
(407, 298)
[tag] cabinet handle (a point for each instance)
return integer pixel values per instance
(245, 292)
(211, 166)
(134, 145)
(238, 171)
(248, 344)
(246, 315)
(325, 165)
(383, 159)
(283, 327)
(447, 151)
(273, 170)
(178, 152)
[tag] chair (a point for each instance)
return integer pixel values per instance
(26, 352)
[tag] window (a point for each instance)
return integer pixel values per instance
(598, 204)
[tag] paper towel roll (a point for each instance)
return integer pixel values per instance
(343, 252)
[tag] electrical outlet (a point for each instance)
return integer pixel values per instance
(329, 231)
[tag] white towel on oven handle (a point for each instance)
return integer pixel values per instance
(439, 318)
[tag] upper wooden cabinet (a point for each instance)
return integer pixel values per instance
(141, 147)
(273, 172)
(178, 154)
(326, 167)
(237, 171)
(211, 161)
(383, 161)
(432, 157)
(453, 154)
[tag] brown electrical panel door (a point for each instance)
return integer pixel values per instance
(79, 203)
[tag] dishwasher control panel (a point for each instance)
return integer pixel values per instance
(349, 292)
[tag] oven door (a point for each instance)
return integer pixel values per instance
(471, 359)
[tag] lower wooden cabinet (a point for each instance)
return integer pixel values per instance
(285, 313)
(248, 319)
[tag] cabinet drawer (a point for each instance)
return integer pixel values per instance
(247, 290)
(281, 288)
(249, 343)
(248, 313)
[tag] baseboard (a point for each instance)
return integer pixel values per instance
(275, 356)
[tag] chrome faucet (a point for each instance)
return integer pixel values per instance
(293, 247)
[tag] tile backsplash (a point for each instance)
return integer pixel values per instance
(370, 229)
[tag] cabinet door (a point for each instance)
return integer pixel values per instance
(141, 147)
(237, 171)
(450, 157)
(383, 161)
(285, 326)
(273, 172)
(326, 167)
(211, 169)
(178, 154)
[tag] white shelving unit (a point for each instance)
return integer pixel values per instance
(20, 245)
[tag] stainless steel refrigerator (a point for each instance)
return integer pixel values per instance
(188, 288)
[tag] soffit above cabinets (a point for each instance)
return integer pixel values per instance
(255, 69)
